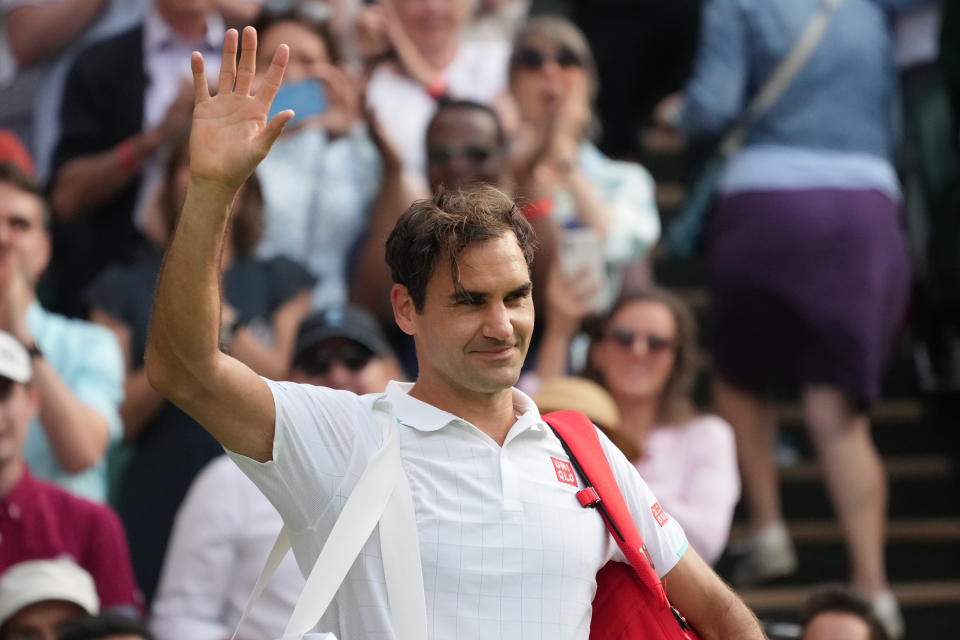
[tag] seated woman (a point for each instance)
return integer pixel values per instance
(267, 300)
(553, 83)
(644, 352)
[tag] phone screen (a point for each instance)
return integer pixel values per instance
(307, 98)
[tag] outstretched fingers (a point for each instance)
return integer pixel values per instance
(248, 61)
(274, 76)
(228, 64)
(200, 90)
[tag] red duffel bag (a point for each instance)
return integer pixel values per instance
(630, 603)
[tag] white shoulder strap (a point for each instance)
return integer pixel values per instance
(381, 494)
(782, 76)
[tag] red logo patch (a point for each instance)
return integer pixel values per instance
(659, 514)
(564, 471)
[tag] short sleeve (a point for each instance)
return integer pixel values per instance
(663, 536)
(98, 380)
(109, 292)
(630, 195)
(321, 437)
(286, 279)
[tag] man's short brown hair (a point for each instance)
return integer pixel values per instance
(446, 225)
(14, 176)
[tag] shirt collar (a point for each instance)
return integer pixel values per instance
(158, 36)
(23, 492)
(421, 416)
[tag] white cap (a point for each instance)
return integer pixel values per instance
(36, 581)
(14, 359)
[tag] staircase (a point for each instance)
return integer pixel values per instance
(916, 436)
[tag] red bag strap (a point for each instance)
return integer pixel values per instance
(581, 442)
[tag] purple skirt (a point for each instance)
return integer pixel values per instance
(808, 287)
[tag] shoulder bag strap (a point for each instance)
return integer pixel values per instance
(782, 77)
(382, 494)
(579, 438)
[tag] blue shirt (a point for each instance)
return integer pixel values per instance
(841, 100)
(89, 361)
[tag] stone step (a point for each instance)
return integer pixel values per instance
(820, 531)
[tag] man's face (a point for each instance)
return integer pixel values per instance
(341, 363)
(463, 149)
(18, 404)
(42, 621)
(24, 242)
(472, 342)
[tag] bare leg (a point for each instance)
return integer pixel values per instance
(856, 481)
(754, 423)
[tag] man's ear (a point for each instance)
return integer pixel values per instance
(404, 312)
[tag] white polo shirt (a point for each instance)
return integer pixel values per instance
(507, 550)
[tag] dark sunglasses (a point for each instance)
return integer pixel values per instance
(534, 59)
(627, 338)
(443, 154)
(353, 356)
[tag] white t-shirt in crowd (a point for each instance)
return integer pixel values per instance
(221, 538)
(507, 550)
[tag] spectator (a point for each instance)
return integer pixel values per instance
(429, 59)
(225, 528)
(553, 82)
(39, 599)
(645, 354)
(38, 42)
(106, 627)
(268, 298)
(114, 130)
(835, 612)
(78, 370)
(811, 296)
(321, 177)
(39, 520)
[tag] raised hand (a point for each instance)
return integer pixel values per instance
(230, 133)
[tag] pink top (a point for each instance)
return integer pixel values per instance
(692, 469)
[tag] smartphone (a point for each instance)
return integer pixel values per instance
(581, 256)
(307, 98)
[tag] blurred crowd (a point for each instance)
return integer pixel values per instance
(121, 518)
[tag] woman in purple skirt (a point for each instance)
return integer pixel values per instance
(808, 264)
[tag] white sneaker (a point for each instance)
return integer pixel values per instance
(767, 555)
(887, 610)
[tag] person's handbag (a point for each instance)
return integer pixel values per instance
(630, 602)
(380, 497)
(685, 237)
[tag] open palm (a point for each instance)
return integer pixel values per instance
(230, 133)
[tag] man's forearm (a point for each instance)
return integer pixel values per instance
(87, 181)
(77, 434)
(184, 341)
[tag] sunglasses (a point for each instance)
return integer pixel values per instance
(444, 154)
(353, 356)
(534, 59)
(627, 338)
